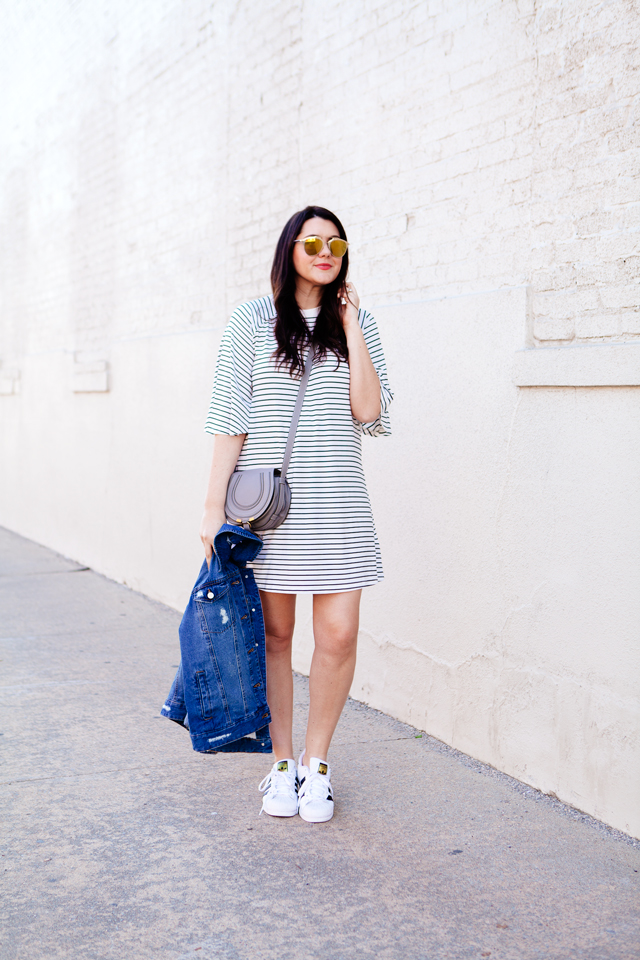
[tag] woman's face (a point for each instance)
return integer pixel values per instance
(323, 267)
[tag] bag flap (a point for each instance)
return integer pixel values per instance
(249, 493)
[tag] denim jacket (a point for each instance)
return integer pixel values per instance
(220, 690)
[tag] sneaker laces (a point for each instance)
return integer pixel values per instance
(316, 786)
(277, 781)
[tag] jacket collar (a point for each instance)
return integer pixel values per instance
(235, 545)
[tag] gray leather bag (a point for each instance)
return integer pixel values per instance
(260, 498)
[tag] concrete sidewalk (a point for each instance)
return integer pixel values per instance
(120, 842)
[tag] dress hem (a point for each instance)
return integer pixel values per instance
(271, 589)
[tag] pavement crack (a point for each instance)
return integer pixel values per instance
(41, 573)
(94, 773)
(347, 743)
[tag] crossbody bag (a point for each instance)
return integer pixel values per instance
(260, 498)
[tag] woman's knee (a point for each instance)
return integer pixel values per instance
(337, 642)
(279, 613)
(278, 639)
(335, 623)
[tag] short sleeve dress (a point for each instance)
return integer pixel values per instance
(328, 542)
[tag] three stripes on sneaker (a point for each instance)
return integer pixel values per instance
(306, 790)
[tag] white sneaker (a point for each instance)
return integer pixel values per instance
(281, 786)
(315, 796)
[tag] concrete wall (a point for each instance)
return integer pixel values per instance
(483, 156)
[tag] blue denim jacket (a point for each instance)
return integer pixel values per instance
(220, 690)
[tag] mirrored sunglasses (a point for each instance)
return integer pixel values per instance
(314, 245)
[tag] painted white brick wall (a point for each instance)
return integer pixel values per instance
(481, 146)
(467, 146)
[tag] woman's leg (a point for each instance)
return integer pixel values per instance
(335, 627)
(279, 610)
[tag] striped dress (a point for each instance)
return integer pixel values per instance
(328, 542)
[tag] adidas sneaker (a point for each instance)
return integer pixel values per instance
(280, 788)
(315, 796)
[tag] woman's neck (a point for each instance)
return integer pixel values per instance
(308, 295)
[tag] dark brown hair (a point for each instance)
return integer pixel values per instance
(291, 331)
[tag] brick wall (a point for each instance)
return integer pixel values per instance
(467, 146)
(584, 210)
(157, 148)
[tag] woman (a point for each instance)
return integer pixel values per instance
(327, 545)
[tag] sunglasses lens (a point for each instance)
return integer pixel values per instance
(313, 246)
(338, 247)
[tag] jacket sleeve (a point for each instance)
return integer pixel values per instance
(230, 406)
(382, 425)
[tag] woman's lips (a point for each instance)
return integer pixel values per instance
(323, 266)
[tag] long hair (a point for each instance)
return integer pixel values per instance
(291, 331)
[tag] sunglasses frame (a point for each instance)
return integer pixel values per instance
(328, 242)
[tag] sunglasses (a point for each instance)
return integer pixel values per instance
(314, 245)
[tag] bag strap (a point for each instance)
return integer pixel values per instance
(296, 412)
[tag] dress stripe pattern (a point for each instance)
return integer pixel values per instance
(328, 542)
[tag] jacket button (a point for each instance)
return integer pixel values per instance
(209, 595)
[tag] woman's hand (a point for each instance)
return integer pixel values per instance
(226, 450)
(350, 301)
(211, 522)
(364, 384)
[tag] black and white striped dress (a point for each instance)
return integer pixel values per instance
(328, 542)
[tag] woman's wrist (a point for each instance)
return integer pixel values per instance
(350, 322)
(213, 507)
(350, 303)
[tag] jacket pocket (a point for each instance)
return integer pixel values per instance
(211, 592)
(214, 604)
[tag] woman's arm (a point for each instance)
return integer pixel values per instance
(364, 385)
(226, 450)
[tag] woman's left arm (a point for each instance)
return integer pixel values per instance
(364, 383)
